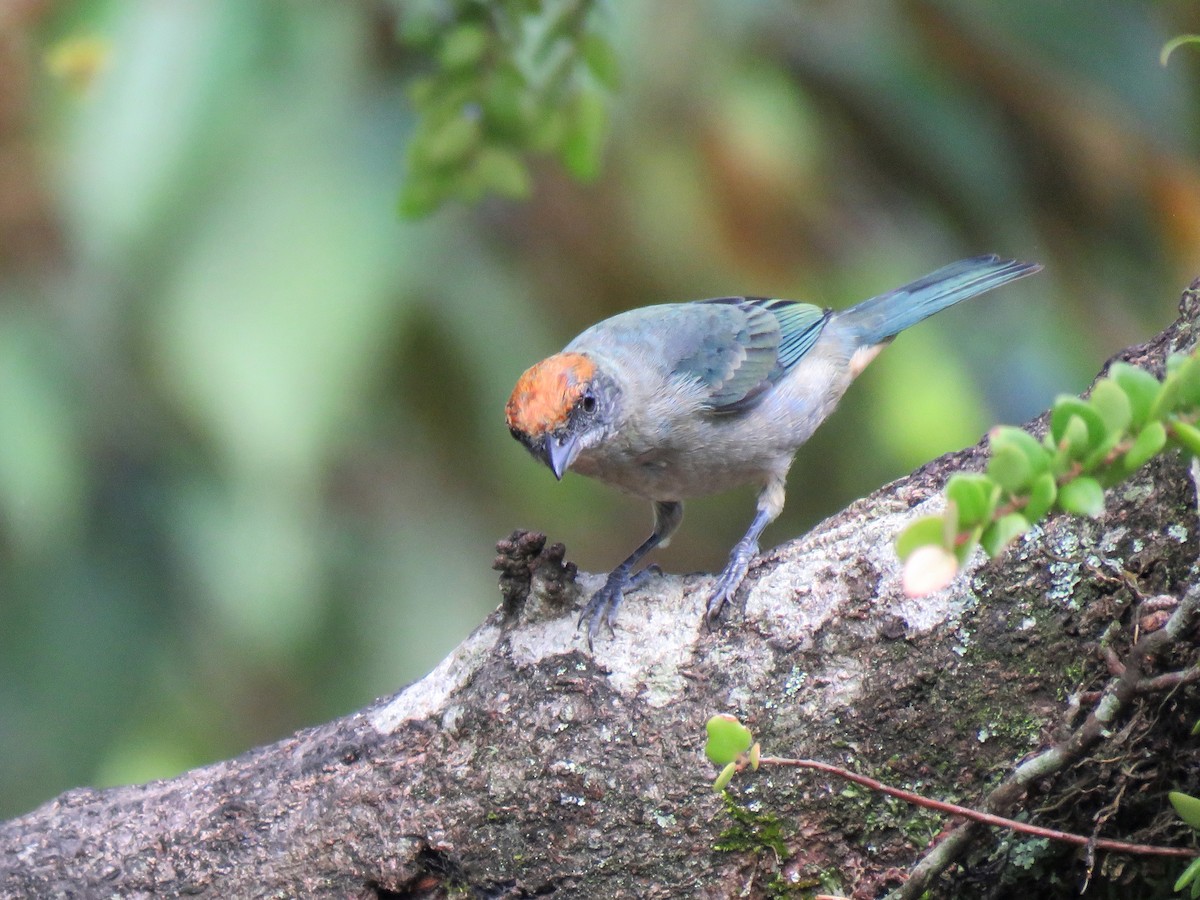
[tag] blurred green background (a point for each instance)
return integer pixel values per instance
(252, 454)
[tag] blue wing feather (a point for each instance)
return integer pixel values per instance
(763, 339)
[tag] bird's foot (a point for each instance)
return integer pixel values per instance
(730, 579)
(602, 608)
(640, 578)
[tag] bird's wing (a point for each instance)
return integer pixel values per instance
(739, 346)
(733, 347)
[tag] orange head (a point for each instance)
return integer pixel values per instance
(549, 405)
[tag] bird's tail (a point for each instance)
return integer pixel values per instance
(874, 321)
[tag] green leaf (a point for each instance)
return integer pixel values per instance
(1068, 406)
(1139, 386)
(727, 739)
(1082, 497)
(975, 495)
(503, 172)
(507, 102)
(1042, 494)
(1003, 532)
(1168, 394)
(1010, 436)
(1187, 436)
(1191, 875)
(463, 46)
(1146, 446)
(601, 60)
(1112, 405)
(421, 196)
(450, 142)
(949, 525)
(1187, 806)
(583, 142)
(1076, 439)
(726, 776)
(919, 533)
(1170, 47)
(1009, 467)
(1189, 381)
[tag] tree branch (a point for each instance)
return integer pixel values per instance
(525, 766)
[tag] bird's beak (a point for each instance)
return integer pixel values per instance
(561, 451)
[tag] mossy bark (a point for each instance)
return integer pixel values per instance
(526, 766)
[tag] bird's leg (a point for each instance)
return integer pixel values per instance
(770, 504)
(603, 605)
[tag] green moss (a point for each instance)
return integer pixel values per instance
(1013, 724)
(751, 832)
(759, 833)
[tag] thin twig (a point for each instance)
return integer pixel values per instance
(976, 815)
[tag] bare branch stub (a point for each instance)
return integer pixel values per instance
(522, 556)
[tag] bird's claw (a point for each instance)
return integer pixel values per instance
(602, 608)
(729, 581)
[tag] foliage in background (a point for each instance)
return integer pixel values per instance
(252, 454)
(510, 78)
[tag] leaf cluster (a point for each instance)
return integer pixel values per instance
(1092, 443)
(508, 79)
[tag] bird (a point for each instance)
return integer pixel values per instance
(678, 400)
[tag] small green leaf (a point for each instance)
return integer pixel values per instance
(1076, 439)
(975, 495)
(463, 46)
(1009, 467)
(1082, 497)
(1112, 405)
(726, 776)
(419, 197)
(1068, 406)
(1196, 728)
(583, 142)
(950, 524)
(450, 142)
(508, 103)
(503, 172)
(1191, 875)
(1003, 532)
(1168, 395)
(727, 739)
(1008, 436)
(1042, 494)
(601, 60)
(1189, 381)
(1187, 436)
(1139, 386)
(922, 531)
(1146, 446)
(1170, 47)
(1187, 806)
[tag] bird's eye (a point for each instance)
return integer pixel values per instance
(588, 403)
